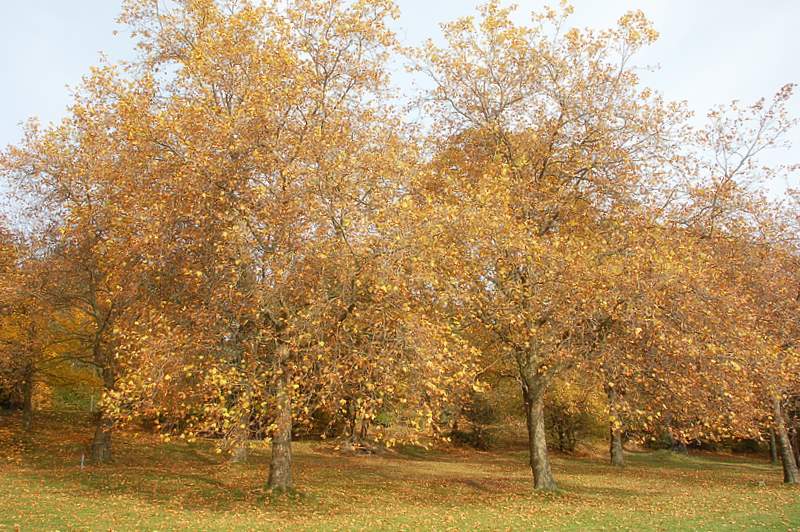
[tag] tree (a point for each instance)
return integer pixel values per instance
(73, 175)
(259, 161)
(754, 245)
(543, 145)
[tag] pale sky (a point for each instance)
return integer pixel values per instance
(709, 51)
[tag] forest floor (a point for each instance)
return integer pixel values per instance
(167, 486)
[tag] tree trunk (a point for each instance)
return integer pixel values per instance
(796, 445)
(616, 449)
(352, 419)
(773, 446)
(790, 475)
(27, 398)
(615, 429)
(280, 467)
(101, 442)
(240, 435)
(533, 397)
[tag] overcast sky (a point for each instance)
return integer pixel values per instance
(710, 51)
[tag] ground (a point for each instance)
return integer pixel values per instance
(157, 486)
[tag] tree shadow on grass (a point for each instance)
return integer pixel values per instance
(194, 477)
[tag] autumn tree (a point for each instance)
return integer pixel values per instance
(751, 240)
(240, 181)
(70, 174)
(543, 144)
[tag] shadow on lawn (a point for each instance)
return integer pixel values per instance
(194, 477)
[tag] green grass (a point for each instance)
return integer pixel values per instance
(154, 486)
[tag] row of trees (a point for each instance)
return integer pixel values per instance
(241, 231)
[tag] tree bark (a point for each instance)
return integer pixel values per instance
(27, 398)
(352, 419)
(240, 435)
(101, 442)
(280, 467)
(773, 446)
(533, 397)
(356, 436)
(615, 429)
(240, 454)
(790, 474)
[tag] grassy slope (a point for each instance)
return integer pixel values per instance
(175, 486)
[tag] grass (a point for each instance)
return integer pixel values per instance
(155, 486)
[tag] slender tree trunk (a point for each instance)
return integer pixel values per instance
(773, 446)
(27, 398)
(352, 419)
(280, 467)
(240, 452)
(240, 436)
(533, 397)
(615, 429)
(101, 442)
(615, 448)
(790, 474)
